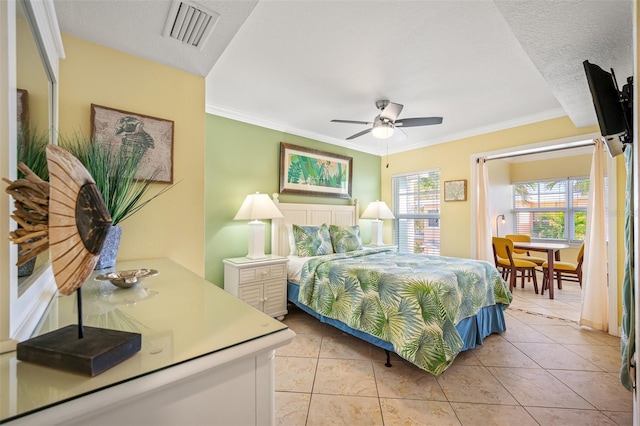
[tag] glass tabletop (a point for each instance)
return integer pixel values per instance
(179, 315)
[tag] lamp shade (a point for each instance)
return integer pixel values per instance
(382, 130)
(258, 206)
(377, 210)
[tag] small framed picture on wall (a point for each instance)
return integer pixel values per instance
(455, 190)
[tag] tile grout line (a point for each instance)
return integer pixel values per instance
(313, 384)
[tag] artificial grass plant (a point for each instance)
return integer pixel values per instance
(114, 172)
(32, 145)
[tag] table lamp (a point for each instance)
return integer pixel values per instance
(255, 207)
(377, 210)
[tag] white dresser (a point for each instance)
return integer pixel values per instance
(262, 283)
(206, 358)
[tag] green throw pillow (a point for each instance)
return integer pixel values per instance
(311, 240)
(345, 238)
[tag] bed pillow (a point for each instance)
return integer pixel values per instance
(345, 238)
(311, 240)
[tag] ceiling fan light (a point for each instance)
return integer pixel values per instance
(382, 130)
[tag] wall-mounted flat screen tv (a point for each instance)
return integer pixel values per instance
(613, 107)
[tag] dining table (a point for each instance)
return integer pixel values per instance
(553, 253)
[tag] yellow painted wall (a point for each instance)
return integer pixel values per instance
(500, 197)
(454, 160)
(563, 167)
(30, 76)
(172, 225)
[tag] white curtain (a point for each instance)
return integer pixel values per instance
(594, 309)
(483, 222)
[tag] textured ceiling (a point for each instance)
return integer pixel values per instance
(295, 65)
(137, 27)
(570, 33)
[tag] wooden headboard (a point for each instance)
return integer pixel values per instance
(307, 214)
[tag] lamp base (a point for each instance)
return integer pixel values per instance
(256, 240)
(376, 232)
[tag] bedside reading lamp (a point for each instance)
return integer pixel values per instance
(377, 210)
(255, 207)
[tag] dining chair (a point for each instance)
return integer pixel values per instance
(569, 271)
(524, 254)
(509, 266)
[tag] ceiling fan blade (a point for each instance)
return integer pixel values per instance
(364, 132)
(352, 122)
(419, 121)
(391, 111)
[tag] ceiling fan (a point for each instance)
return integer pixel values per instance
(383, 126)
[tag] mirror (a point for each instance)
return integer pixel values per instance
(33, 112)
(22, 308)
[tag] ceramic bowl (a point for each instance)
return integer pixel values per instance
(127, 279)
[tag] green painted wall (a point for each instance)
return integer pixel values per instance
(241, 159)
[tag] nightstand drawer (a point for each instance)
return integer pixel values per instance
(251, 275)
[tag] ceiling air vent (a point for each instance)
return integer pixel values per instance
(190, 23)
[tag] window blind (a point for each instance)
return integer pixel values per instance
(416, 204)
(553, 209)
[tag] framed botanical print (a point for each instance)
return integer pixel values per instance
(455, 190)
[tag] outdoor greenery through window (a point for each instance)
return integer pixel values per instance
(552, 209)
(416, 204)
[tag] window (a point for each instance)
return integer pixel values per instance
(552, 209)
(416, 203)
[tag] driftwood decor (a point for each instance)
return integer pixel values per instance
(31, 202)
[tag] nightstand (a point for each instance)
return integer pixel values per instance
(262, 283)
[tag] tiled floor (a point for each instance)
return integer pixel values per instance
(543, 370)
(565, 303)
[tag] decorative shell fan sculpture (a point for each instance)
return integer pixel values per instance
(78, 220)
(78, 225)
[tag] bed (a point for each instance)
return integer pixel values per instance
(427, 309)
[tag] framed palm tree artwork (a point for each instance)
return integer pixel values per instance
(307, 171)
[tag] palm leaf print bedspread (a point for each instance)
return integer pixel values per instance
(411, 300)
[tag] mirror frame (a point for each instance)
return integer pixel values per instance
(21, 313)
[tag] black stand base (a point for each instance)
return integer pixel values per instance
(99, 349)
